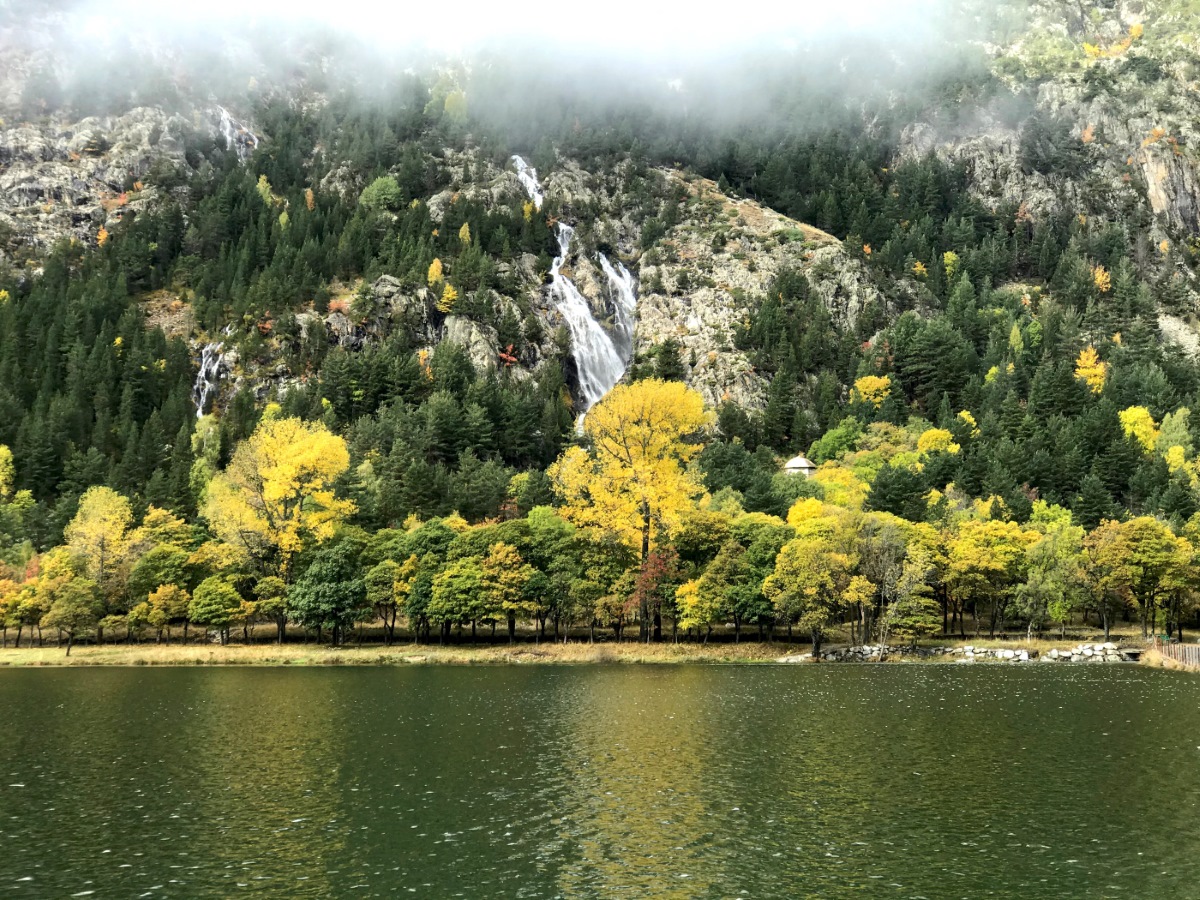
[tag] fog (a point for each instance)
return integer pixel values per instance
(728, 62)
(625, 27)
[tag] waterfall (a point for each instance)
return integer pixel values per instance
(599, 363)
(527, 175)
(624, 293)
(600, 356)
(208, 379)
(238, 137)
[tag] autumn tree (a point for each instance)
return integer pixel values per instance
(727, 586)
(634, 480)
(1139, 424)
(76, 608)
(1106, 571)
(504, 577)
(1159, 563)
(457, 596)
(656, 583)
(167, 605)
(698, 611)
(277, 496)
(6, 472)
(872, 389)
(986, 558)
(1051, 590)
(97, 539)
(814, 576)
(449, 297)
(434, 275)
(1090, 369)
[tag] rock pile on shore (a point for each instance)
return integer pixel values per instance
(1082, 653)
(1107, 652)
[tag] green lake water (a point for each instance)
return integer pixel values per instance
(657, 781)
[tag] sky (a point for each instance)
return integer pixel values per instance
(622, 27)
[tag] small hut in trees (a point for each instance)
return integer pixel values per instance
(800, 465)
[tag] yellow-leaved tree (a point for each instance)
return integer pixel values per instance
(277, 495)
(434, 276)
(98, 536)
(937, 440)
(872, 389)
(1091, 369)
(449, 297)
(1138, 424)
(634, 481)
(6, 472)
(464, 233)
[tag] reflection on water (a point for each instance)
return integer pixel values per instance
(835, 781)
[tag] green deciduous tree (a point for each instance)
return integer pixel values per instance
(331, 593)
(75, 609)
(214, 605)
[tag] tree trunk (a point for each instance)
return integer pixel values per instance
(512, 629)
(70, 638)
(644, 619)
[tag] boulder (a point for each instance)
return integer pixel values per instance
(478, 340)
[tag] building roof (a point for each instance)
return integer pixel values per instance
(799, 463)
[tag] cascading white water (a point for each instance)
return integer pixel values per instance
(527, 175)
(601, 357)
(599, 363)
(208, 379)
(624, 293)
(238, 137)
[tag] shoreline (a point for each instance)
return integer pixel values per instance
(579, 653)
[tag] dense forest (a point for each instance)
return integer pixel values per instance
(1013, 449)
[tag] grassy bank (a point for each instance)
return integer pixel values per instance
(575, 653)
(1157, 660)
(524, 652)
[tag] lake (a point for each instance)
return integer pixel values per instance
(837, 780)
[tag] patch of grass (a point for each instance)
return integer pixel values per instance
(573, 653)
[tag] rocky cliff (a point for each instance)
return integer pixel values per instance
(1096, 115)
